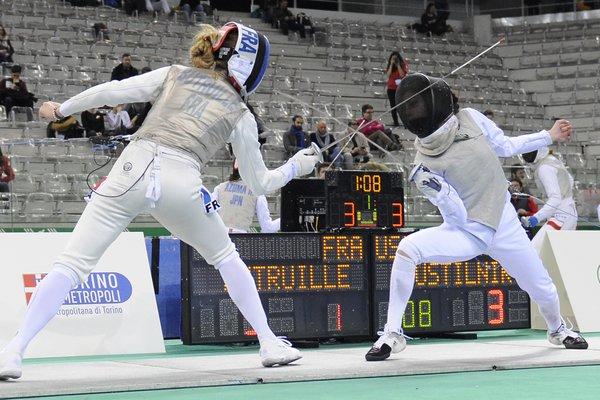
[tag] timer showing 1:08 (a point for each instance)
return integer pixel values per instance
(367, 183)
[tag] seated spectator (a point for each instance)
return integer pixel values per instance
(100, 31)
(295, 138)
(489, 113)
(320, 170)
(322, 138)
(396, 70)
(188, 7)
(158, 5)
(7, 174)
(6, 49)
(93, 122)
(375, 130)
(432, 23)
(359, 145)
(268, 8)
(285, 20)
(124, 70)
(524, 205)
(239, 204)
(518, 172)
(304, 24)
(65, 128)
(13, 92)
(118, 121)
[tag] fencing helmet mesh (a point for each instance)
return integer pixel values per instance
(427, 109)
(248, 60)
(536, 155)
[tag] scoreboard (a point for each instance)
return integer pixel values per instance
(323, 285)
(473, 295)
(311, 285)
(364, 199)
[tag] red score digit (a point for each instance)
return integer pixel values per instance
(397, 215)
(495, 306)
(349, 219)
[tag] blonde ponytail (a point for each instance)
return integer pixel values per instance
(201, 55)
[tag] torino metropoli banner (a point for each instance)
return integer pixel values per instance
(113, 312)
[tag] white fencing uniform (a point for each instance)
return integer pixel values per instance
(478, 215)
(238, 206)
(552, 177)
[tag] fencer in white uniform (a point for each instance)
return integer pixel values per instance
(552, 178)
(196, 111)
(238, 204)
(459, 171)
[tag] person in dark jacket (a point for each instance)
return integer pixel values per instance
(124, 70)
(13, 91)
(93, 122)
(6, 49)
(295, 139)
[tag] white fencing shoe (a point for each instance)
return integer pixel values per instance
(566, 337)
(278, 351)
(10, 365)
(388, 342)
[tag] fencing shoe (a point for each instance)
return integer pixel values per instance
(568, 338)
(278, 351)
(388, 342)
(10, 365)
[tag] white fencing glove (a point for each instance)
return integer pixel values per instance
(427, 182)
(306, 159)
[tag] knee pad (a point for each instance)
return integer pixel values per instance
(75, 276)
(408, 251)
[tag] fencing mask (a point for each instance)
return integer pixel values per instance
(536, 155)
(424, 113)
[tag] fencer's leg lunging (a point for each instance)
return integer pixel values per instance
(45, 303)
(402, 281)
(242, 290)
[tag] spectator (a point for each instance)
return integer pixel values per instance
(158, 5)
(188, 7)
(65, 128)
(432, 23)
(518, 172)
(124, 70)
(524, 205)
(6, 49)
(443, 11)
(295, 139)
(489, 113)
(100, 31)
(93, 122)
(375, 130)
(118, 121)
(13, 92)
(285, 20)
(322, 138)
(7, 174)
(396, 70)
(359, 145)
(239, 204)
(303, 23)
(321, 169)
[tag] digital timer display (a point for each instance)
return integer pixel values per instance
(359, 199)
(320, 285)
(450, 297)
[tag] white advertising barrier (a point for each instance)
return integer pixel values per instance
(114, 312)
(573, 261)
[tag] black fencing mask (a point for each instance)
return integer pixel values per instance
(424, 113)
(530, 157)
